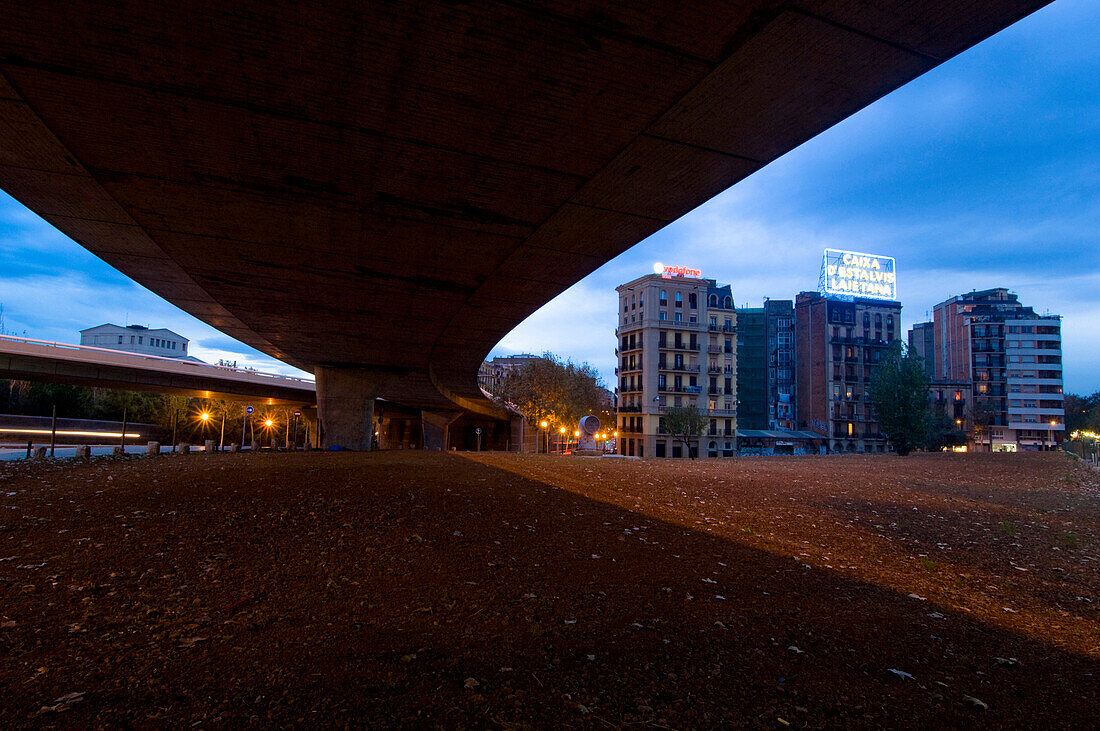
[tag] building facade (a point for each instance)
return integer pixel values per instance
(752, 368)
(922, 342)
(766, 366)
(1012, 357)
(136, 339)
(492, 372)
(781, 394)
(676, 347)
(839, 343)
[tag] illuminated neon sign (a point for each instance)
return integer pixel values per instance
(668, 272)
(853, 274)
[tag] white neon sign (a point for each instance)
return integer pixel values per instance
(856, 274)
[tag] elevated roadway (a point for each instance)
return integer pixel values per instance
(378, 192)
(38, 360)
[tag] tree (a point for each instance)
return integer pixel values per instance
(1082, 412)
(982, 415)
(943, 432)
(549, 389)
(685, 423)
(899, 397)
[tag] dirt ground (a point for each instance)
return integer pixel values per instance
(505, 591)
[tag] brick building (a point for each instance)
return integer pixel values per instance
(839, 343)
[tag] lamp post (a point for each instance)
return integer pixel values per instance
(544, 424)
(1051, 432)
(561, 435)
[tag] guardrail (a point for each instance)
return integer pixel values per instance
(178, 363)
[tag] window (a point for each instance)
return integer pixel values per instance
(679, 299)
(662, 315)
(131, 340)
(664, 298)
(691, 301)
(727, 303)
(679, 317)
(712, 301)
(139, 339)
(120, 340)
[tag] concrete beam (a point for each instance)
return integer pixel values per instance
(437, 428)
(345, 405)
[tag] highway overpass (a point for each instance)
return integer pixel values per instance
(378, 192)
(81, 365)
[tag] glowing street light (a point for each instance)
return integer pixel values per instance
(204, 416)
(268, 423)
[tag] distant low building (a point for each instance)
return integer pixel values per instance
(137, 339)
(492, 372)
(922, 342)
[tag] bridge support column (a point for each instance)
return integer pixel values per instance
(436, 426)
(345, 405)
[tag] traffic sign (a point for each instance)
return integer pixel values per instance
(249, 410)
(297, 413)
(478, 430)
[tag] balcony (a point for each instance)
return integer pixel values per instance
(715, 349)
(630, 410)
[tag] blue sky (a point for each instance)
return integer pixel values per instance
(983, 172)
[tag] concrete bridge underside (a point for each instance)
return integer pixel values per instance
(378, 192)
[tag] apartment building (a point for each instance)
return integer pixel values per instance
(752, 368)
(766, 366)
(1012, 357)
(839, 342)
(491, 373)
(676, 347)
(781, 395)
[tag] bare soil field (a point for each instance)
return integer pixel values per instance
(504, 591)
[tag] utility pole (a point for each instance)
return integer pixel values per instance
(221, 439)
(122, 437)
(53, 429)
(175, 418)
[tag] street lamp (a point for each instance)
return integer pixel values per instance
(1051, 432)
(545, 424)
